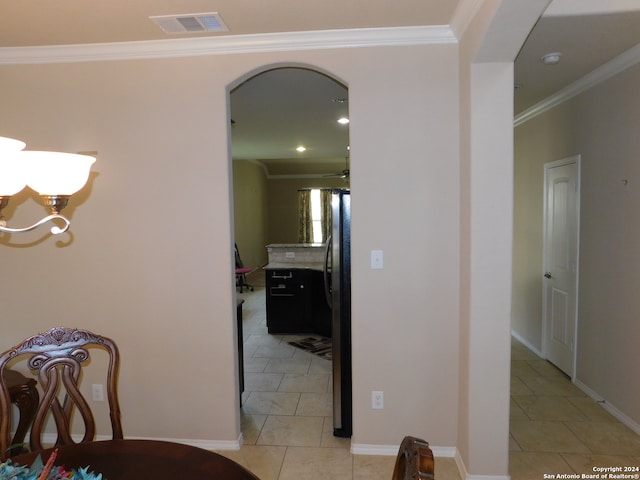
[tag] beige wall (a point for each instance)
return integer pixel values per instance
(283, 205)
(266, 209)
(600, 125)
(152, 240)
(251, 212)
(152, 237)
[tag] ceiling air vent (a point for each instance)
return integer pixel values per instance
(190, 23)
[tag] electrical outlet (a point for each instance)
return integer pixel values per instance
(377, 400)
(97, 392)
(289, 254)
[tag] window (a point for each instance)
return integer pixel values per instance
(314, 209)
(316, 215)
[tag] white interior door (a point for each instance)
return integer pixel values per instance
(560, 269)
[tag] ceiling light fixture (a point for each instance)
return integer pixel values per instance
(301, 149)
(343, 120)
(551, 58)
(54, 175)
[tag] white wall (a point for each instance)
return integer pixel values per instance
(600, 125)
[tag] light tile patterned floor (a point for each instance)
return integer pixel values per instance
(287, 427)
(556, 428)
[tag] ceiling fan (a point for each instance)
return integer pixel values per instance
(344, 173)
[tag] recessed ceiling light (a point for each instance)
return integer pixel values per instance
(551, 58)
(343, 120)
(300, 149)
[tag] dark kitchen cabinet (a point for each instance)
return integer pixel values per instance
(296, 302)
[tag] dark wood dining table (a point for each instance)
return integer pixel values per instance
(142, 459)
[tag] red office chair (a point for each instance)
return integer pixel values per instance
(241, 272)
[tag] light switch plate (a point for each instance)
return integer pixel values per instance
(377, 259)
(377, 400)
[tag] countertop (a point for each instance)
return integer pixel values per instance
(296, 245)
(294, 266)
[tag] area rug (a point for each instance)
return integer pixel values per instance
(320, 346)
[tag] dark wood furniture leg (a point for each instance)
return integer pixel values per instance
(24, 394)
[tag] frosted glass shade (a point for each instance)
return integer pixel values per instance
(12, 175)
(56, 173)
(8, 145)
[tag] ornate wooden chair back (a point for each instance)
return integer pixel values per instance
(414, 460)
(57, 357)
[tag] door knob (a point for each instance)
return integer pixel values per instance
(547, 275)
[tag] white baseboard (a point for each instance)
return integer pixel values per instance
(392, 450)
(626, 420)
(369, 449)
(441, 452)
(523, 341)
(467, 476)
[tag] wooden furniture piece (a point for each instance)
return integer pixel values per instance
(296, 301)
(22, 392)
(140, 459)
(414, 460)
(57, 357)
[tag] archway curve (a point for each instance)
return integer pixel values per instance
(280, 65)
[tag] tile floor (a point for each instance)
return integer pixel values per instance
(556, 428)
(287, 426)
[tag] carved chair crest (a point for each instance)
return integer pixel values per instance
(57, 358)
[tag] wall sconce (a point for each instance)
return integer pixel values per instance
(54, 175)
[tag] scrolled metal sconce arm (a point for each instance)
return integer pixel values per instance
(55, 230)
(55, 202)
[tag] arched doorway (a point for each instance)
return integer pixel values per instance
(272, 114)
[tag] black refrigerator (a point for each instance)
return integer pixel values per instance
(338, 289)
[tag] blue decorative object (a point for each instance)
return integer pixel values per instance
(39, 471)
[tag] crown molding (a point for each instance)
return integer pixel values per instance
(619, 64)
(228, 44)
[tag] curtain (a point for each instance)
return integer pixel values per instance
(325, 205)
(305, 221)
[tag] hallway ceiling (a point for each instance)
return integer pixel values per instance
(586, 32)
